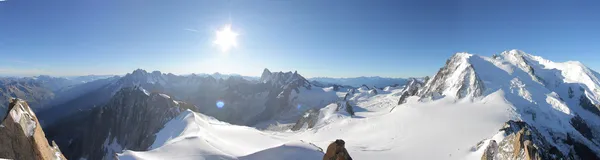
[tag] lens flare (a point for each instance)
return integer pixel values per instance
(220, 104)
(298, 106)
(226, 38)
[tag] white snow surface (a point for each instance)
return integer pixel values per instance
(24, 116)
(435, 130)
(165, 96)
(516, 86)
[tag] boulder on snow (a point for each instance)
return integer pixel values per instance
(337, 151)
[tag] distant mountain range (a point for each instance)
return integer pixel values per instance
(359, 81)
(512, 105)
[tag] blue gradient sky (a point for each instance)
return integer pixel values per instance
(317, 38)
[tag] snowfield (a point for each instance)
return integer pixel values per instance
(380, 130)
(467, 102)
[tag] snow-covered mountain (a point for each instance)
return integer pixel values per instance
(509, 106)
(279, 97)
(129, 120)
(512, 105)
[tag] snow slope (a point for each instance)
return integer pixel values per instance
(411, 131)
(466, 102)
(195, 136)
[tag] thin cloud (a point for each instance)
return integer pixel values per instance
(187, 29)
(23, 72)
(16, 60)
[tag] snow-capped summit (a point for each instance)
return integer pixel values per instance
(140, 76)
(546, 95)
(284, 79)
(266, 73)
(457, 79)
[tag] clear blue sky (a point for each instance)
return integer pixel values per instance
(332, 38)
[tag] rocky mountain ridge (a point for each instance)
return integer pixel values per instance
(22, 137)
(557, 100)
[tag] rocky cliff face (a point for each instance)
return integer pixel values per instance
(129, 120)
(22, 137)
(411, 89)
(523, 141)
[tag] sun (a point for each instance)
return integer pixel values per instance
(226, 39)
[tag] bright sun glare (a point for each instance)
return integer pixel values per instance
(226, 39)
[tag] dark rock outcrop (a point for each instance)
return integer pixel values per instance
(309, 119)
(373, 91)
(22, 137)
(337, 151)
(411, 89)
(588, 105)
(523, 141)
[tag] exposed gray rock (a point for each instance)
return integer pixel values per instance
(373, 91)
(588, 105)
(309, 119)
(411, 89)
(21, 136)
(525, 142)
(491, 151)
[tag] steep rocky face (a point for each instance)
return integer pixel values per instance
(282, 93)
(587, 104)
(21, 136)
(523, 141)
(129, 120)
(457, 78)
(308, 120)
(411, 89)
